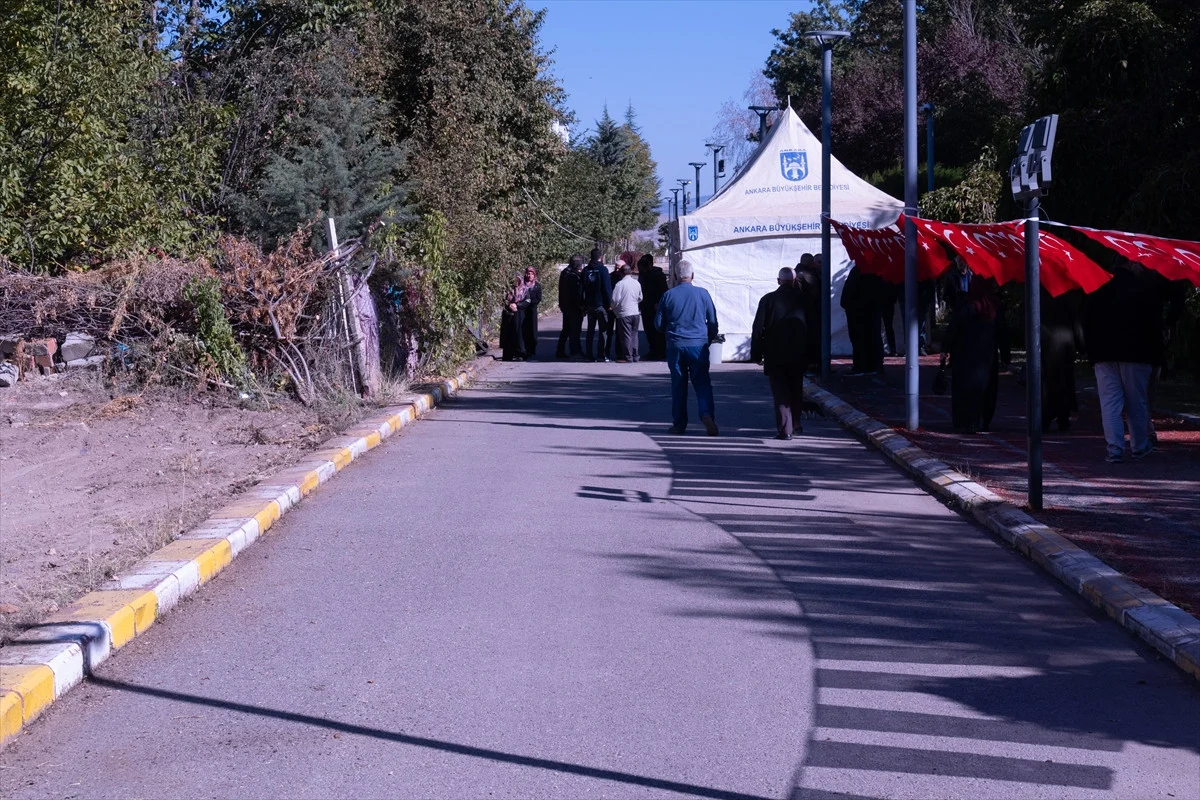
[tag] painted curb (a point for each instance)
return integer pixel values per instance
(1165, 626)
(59, 652)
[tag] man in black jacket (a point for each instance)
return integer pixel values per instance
(778, 340)
(1123, 341)
(597, 297)
(570, 303)
(654, 286)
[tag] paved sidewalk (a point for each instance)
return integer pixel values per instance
(536, 593)
(1141, 517)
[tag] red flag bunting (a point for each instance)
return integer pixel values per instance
(1174, 259)
(998, 251)
(881, 252)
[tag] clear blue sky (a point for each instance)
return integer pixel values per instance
(676, 61)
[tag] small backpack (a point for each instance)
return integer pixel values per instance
(591, 285)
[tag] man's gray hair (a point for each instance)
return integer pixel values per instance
(684, 270)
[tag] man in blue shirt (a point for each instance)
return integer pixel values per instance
(688, 319)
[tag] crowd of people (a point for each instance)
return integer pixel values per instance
(1121, 328)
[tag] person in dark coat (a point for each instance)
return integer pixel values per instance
(597, 297)
(529, 324)
(654, 286)
(971, 345)
(778, 340)
(890, 294)
(1061, 336)
(512, 343)
(808, 278)
(860, 299)
(570, 303)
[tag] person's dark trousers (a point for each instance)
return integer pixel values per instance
(787, 390)
(685, 363)
(611, 330)
(655, 339)
(572, 325)
(519, 351)
(597, 323)
(887, 307)
(529, 331)
(627, 338)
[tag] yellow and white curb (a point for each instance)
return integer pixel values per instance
(51, 657)
(1165, 626)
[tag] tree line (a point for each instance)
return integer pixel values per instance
(1121, 75)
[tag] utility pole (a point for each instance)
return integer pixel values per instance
(763, 112)
(912, 327)
(697, 165)
(683, 185)
(718, 163)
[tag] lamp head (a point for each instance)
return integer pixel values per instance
(826, 38)
(926, 108)
(697, 163)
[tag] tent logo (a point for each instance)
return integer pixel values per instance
(793, 164)
(693, 232)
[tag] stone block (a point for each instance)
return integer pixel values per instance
(90, 362)
(9, 374)
(77, 346)
(42, 347)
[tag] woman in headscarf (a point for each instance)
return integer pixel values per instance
(529, 325)
(512, 343)
(974, 367)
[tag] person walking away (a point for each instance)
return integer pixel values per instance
(570, 304)
(974, 368)
(597, 297)
(688, 319)
(529, 325)
(1061, 337)
(654, 286)
(627, 294)
(1122, 337)
(512, 343)
(778, 340)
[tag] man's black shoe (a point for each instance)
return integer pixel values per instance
(783, 436)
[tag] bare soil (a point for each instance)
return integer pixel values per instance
(93, 478)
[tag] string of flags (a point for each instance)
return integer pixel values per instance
(997, 251)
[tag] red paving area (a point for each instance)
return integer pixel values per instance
(1141, 517)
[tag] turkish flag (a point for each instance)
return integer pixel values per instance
(998, 251)
(1174, 259)
(880, 251)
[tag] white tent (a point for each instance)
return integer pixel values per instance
(766, 217)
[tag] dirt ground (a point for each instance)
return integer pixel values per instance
(92, 478)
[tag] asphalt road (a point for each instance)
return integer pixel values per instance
(536, 592)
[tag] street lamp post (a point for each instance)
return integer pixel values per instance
(826, 40)
(675, 204)
(718, 163)
(697, 165)
(683, 185)
(927, 110)
(763, 112)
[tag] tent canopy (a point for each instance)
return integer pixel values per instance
(778, 193)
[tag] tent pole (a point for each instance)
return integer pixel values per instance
(912, 366)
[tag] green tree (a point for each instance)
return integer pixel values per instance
(332, 161)
(87, 169)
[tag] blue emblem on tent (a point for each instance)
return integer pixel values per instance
(693, 233)
(793, 164)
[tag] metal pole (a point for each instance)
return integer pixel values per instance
(912, 366)
(675, 204)
(716, 153)
(1033, 354)
(697, 165)
(684, 187)
(826, 201)
(929, 147)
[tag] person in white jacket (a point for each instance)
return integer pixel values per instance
(626, 296)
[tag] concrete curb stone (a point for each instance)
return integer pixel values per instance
(1167, 628)
(47, 660)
